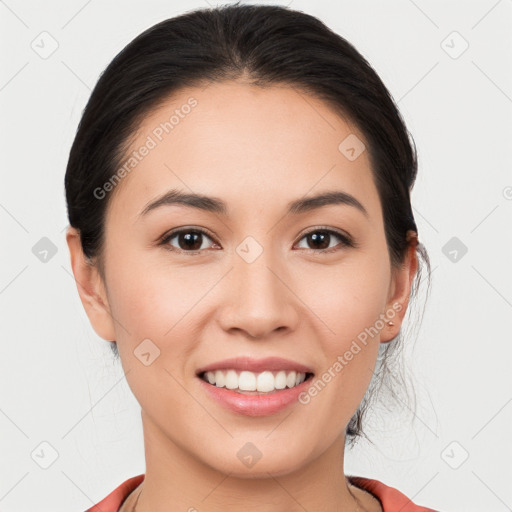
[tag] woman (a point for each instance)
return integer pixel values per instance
(240, 224)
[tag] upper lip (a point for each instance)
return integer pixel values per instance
(256, 365)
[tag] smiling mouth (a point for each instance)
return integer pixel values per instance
(255, 383)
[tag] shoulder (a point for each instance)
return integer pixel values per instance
(115, 499)
(391, 499)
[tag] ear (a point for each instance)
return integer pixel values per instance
(90, 287)
(400, 290)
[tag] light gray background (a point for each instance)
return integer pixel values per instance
(59, 384)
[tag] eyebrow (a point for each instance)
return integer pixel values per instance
(216, 205)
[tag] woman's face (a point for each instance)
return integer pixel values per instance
(256, 285)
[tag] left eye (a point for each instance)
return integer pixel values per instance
(323, 238)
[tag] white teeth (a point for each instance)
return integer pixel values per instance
(280, 380)
(247, 381)
(231, 379)
(290, 379)
(263, 382)
(218, 379)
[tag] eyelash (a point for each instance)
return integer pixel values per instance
(346, 241)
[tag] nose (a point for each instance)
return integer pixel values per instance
(258, 298)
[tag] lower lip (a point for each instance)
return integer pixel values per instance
(255, 405)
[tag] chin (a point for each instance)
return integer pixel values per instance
(251, 463)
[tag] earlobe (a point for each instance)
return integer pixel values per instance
(90, 288)
(402, 280)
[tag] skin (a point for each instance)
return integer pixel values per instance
(256, 149)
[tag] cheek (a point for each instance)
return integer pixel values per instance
(145, 313)
(155, 317)
(350, 302)
(348, 298)
(149, 295)
(164, 305)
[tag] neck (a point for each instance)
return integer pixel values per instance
(176, 480)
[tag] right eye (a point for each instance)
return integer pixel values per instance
(188, 240)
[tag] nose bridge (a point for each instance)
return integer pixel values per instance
(258, 301)
(255, 279)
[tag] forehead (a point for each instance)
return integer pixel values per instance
(244, 143)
